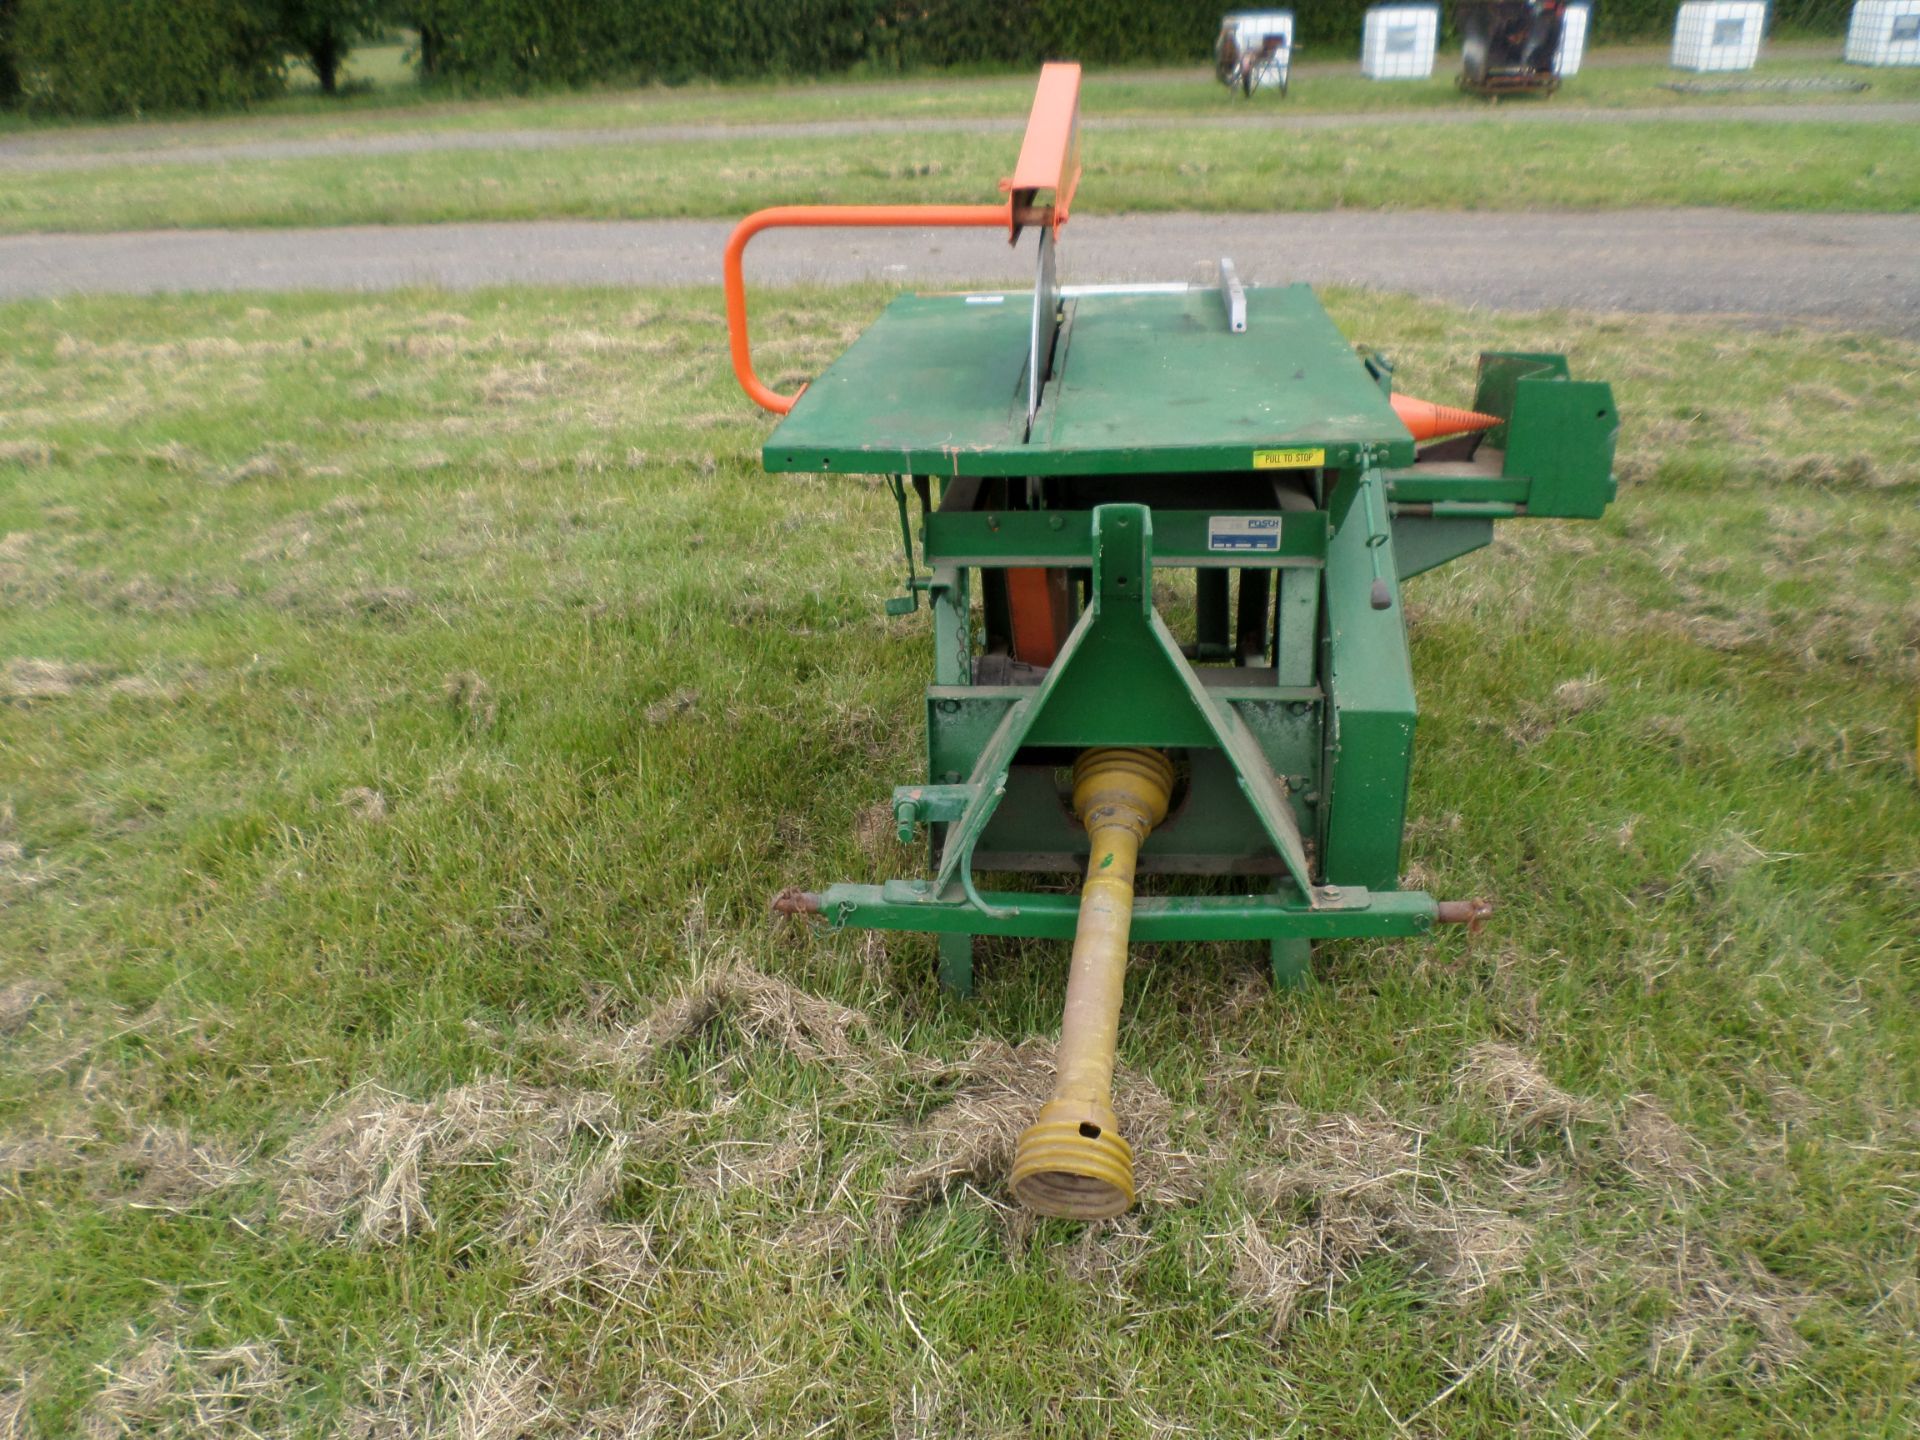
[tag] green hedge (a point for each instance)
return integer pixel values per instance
(519, 43)
(118, 57)
(1621, 20)
(106, 57)
(525, 43)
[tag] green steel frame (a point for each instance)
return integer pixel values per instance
(1292, 718)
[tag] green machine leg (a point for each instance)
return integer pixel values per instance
(1292, 961)
(1370, 690)
(956, 964)
(953, 665)
(1211, 639)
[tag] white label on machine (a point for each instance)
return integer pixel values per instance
(1243, 532)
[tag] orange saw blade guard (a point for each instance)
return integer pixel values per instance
(1428, 421)
(1049, 162)
(1049, 166)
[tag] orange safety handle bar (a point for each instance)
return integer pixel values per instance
(837, 216)
(1049, 161)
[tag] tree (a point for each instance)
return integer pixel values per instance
(9, 67)
(137, 57)
(324, 31)
(426, 19)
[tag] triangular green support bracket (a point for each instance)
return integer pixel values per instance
(1120, 679)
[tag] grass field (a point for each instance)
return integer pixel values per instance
(386, 102)
(407, 706)
(1816, 166)
(1497, 163)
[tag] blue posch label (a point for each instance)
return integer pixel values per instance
(1243, 532)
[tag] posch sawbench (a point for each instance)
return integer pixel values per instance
(1065, 455)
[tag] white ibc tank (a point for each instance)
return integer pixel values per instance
(1398, 42)
(1718, 34)
(1884, 32)
(1573, 40)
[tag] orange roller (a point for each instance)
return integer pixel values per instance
(1039, 605)
(1429, 421)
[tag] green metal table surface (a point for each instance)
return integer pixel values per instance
(1142, 383)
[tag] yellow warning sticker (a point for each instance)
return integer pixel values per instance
(1288, 459)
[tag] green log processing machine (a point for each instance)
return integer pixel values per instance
(1063, 451)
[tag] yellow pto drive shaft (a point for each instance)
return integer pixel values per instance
(1072, 1161)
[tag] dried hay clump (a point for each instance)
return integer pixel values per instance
(264, 466)
(382, 602)
(365, 1170)
(1576, 697)
(641, 1419)
(1724, 861)
(450, 1394)
(22, 1155)
(1709, 1305)
(1528, 1102)
(971, 1139)
(1367, 1188)
(819, 1236)
(1273, 1279)
(1163, 1173)
(1728, 635)
(1350, 1157)
(1655, 1149)
(17, 872)
(758, 1166)
(1717, 1316)
(165, 1389)
(580, 1249)
(27, 679)
(1642, 1139)
(1108, 1255)
(680, 702)
(17, 1003)
(364, 803)
(767, 1010)
(472, 700)
(28, 453)
(1571, 698)
(14, 1424)
(173, 1171)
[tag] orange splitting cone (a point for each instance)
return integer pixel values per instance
(1429, 421)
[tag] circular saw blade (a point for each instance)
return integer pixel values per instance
(1045, 325)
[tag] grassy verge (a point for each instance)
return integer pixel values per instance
(1814, 166)
(408, 704)
(1618, 78)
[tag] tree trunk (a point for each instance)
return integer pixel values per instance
(326, 53)
(429, 51)
(9, 72)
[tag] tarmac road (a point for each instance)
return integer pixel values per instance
(1861, 271)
